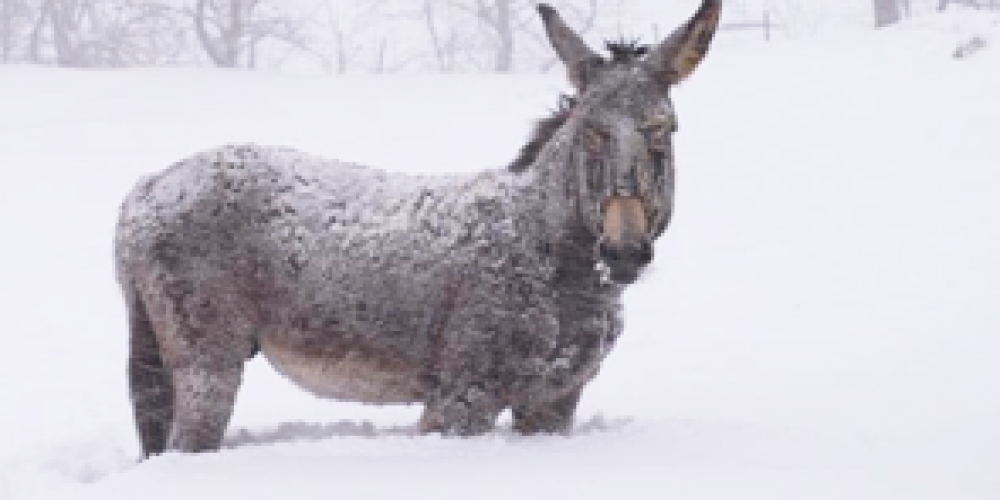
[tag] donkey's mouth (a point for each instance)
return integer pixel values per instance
(624, 275)
(624, 266)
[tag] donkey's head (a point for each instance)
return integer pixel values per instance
(621, 126)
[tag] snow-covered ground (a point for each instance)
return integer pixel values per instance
(821, 322)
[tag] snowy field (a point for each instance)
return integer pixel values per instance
(822, 320)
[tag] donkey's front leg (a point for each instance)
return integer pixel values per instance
(550, 417)
(470, 411)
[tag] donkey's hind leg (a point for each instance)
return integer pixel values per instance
(204, 397)
(205, 346)
(547, 418)
(149, 381)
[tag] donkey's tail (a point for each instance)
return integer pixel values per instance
(149, 380)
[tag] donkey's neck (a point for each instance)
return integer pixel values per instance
(551, 186)
(554, 182)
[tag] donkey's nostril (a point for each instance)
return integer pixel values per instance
(644, 255)
(633, 255)
(609, 253)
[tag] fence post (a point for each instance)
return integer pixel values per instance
(767, 26)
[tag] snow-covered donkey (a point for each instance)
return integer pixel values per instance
(468, 294)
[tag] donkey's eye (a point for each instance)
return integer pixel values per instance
(657, 135)
(665, 121)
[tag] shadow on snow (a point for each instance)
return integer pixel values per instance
(292, 432)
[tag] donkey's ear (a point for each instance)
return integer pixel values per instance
(580, 61)
(678, 55)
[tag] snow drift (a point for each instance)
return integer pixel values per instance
(821, 324)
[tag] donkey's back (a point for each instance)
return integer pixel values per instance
(285, 229)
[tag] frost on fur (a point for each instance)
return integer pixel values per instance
(468, 294)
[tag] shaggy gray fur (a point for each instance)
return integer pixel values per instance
(468, 294)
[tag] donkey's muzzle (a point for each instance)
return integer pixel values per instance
(625, 246)
(625, 262)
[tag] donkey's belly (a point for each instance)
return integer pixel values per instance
(347, 376)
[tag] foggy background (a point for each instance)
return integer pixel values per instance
(388, 36)
(820, 323)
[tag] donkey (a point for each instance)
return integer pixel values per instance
(468, 294)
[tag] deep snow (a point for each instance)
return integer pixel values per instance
(821, 321)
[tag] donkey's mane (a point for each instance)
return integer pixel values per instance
(542, 133)
(623, 51)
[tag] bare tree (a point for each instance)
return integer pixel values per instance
(15, 21)
(444, 38)
(498, 16)
(231, 31)
(139, 33)
(59, 31)
(359, 34)
(887, 12)
(905, 7)
(6, 29)
(492, 34)
(513, 20)
(90, 33)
